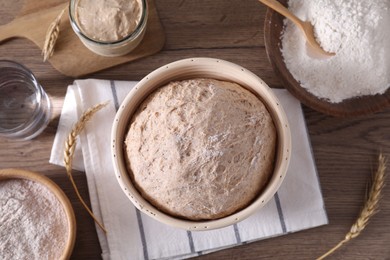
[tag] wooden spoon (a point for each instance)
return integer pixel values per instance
(305, 26)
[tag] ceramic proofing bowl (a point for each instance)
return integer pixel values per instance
(189, 69)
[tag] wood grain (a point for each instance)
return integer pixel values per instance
(345, 149)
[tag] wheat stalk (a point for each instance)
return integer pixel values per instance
(51, 36)
(70, 146)
(370, 207)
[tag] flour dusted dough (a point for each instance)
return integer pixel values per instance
(201, 148)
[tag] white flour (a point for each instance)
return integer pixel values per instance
(357, 31)
(32, 221)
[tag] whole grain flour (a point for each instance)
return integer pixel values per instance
(33, 224)
(357, 32)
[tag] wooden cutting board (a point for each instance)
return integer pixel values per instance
(71, 57)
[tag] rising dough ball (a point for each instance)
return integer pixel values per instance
(201, 149)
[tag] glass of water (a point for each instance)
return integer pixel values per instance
(24, 105)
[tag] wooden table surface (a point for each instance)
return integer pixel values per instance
(345, 149)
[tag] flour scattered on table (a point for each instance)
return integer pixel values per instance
(32, 221)
(357, 31)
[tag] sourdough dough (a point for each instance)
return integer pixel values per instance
(201, 148)
(108, 20)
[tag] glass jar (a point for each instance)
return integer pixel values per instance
(110, 48)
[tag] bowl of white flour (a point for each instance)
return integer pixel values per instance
(356, 80)
(37, 219)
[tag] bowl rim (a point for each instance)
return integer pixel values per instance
(196, 68)
(8, 174)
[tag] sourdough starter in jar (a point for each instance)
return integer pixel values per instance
(109, 27)
(108, 20)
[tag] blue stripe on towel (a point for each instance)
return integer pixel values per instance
(237, 233)
(280, 212)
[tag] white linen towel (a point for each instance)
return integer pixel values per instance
(297, 205)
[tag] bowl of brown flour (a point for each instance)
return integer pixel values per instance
(200, 144)
(37, 219)
(356, 80)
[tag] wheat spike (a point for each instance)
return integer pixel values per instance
(51, 37)
(70, 146)
(370, 207)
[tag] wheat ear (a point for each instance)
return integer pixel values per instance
(370, 207)
(51, 36)
(70, 146)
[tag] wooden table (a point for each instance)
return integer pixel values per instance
(345, 149)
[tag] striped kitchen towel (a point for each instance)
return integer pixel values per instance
(296, 206)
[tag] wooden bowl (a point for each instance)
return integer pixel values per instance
(7, 174)
(189, 69)
(273, 28)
